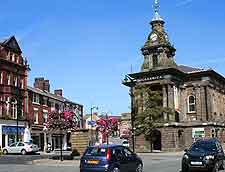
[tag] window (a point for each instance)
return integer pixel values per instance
(21, 83)
(8, 78)
(1, 106)
(1, 78)
(36, 98)
(7, 105)
(20, 144)
(15, 81)
(191, 104)
(13, 57)
(35, 116)
(45, 101)
(155, 61)
(14, 109)
(45, 117)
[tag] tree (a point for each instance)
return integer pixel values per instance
(106, 126)
(151, 115)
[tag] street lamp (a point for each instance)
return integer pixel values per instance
(129, 81)
(92, 108)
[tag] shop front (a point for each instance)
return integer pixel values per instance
(8, 134)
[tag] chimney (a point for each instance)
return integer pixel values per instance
(46, 85)
(58, 92)
(39, 83)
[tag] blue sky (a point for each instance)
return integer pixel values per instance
(87, 46)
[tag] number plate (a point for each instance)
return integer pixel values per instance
(93, 162)
(196, 163)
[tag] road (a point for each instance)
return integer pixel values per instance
(15, 163)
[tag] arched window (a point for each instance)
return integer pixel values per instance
(191, 104)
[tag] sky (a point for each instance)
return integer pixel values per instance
(86, 47)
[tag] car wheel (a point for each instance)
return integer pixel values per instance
(23, 152)
(115, 169)
(5, 152)
(185, 168)
(216, 168)
(139, 168)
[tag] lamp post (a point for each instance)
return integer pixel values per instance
(131, 83)
(92, 108)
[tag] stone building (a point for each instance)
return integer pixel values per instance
(197, 96)
(13, 91)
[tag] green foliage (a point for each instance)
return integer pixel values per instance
(75, 153)
(152, 115)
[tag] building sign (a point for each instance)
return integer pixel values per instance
(152, 78)
(198, 133)
(12, 130)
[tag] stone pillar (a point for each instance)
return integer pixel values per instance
(50, 140)
(64, 142)
(165, 97)
(171, 100)
(45, 142)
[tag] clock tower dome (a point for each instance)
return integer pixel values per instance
(157, 51)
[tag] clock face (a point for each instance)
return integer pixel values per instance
(153, 37)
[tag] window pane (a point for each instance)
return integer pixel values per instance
(191, 99)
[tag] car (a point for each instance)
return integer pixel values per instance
(20, 147)
(204, 154)
(125, 143)
(110, 158)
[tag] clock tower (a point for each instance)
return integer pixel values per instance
(157, 51)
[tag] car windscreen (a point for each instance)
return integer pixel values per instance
(96, 151)
(203, 146)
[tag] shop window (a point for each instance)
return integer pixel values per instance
(191, 104)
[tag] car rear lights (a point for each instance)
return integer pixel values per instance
(108, 155)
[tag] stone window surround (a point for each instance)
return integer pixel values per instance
(191, 104)
(36, 115)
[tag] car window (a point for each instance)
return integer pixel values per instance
(20, 144)
(117, 154)
(125, 142)
(127, 152)
(96, 151)
(13, 145)
(203, 146)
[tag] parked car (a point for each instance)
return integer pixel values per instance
(20, 147)
(110, 158)
(125, 143)
(203, 155)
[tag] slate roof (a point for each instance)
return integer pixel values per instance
(189, 69)
(51, 95)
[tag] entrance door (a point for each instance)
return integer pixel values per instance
(3, 140)
(156, 140)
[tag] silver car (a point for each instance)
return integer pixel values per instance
(20, 147)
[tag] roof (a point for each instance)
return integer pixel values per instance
(106, 146)
(189, 69)
(11, 43)
(48, 94)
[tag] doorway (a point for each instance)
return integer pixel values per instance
(156, 140)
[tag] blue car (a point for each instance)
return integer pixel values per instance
(110, 158)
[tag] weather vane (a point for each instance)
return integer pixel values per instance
(156, 7)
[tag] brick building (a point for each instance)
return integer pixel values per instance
(13, 91)
(197, 96)
(29, 106)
